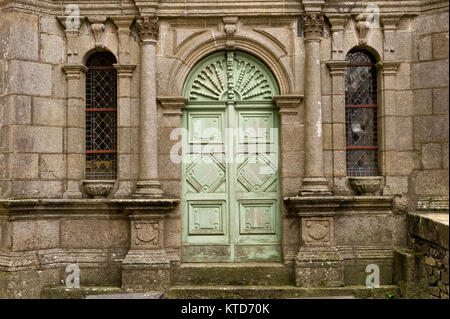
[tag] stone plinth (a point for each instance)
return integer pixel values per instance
(319, 262)
(147, 266)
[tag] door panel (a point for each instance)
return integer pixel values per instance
(231, 210)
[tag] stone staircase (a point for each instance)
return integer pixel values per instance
(256, 281)
(233, 281)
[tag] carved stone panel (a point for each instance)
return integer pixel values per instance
(317, 231)
(146, 234)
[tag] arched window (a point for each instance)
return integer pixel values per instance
(361, 114)
(101, 117)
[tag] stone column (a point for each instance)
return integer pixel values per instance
(75, 142)
(314, 183)
(148, 185)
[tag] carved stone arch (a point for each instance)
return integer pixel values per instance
(367, 48)
(200, 49)
(90, 52)
(232, 75)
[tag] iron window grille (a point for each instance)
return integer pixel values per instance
(101, 117)
(361, 114)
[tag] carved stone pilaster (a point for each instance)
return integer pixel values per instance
(72, 30)
(148, 28)
(312, 25)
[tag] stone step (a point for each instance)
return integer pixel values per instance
(280, 292)
(232, 274)
(62, 292)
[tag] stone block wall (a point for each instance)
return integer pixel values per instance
(33, 110)
(429, 84)
(429, 238)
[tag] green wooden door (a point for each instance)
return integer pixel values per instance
(231, 208)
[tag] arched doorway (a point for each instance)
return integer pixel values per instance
(230, 180)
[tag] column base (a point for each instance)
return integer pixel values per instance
(146, 270)
(148, 189)
(315, 186)
(319, 267)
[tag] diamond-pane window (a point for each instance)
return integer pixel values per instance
(361, 114)
(101, 117)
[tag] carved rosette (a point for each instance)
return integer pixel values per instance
(146, 234)
(148, 28)
(312, 25)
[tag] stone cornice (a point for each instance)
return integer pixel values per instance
(73, 71)
(288, 104)
(337, 67)
(331, 205)
(388, 67)
(124, 70)
(172, 105)
(85, 206)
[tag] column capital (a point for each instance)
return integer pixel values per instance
(388, 67)
(337, 67)
(148, 27)
(124, 70)
(337, 21)
(287, 104)
(73, 71)
(312, 25)
(172, 105)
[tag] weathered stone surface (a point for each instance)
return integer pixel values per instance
(440, 45)
(440, 101)
(439, 69)
(38, 139)
(423, 102)
(431, 183)
(36, 189)
(29, 78)
(52, 48)
(30, 235)
(25, 166)
(431, 156)
(48, 112)
(52, 166)
(101, 234)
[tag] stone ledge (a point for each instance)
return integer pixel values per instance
(312, 205)
(162, 205)
(432, 227)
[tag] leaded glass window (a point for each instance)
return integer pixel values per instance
(101, 117)
(361, 114)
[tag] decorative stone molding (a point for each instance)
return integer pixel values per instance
(317, 231)
(365, 185)
(125, 70)
(389, 24)
(172, 105)
(362, 27)
(97, 28)
(148, 28)
(388, 67)
(98, 188)
(123, 25)
(72, 31)
(337, 67)
(312, 25)
(337, 35)
(147, 255)
(432, 203)
(230, 27)
(73, 71)
(313, 5)
(288, 104)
